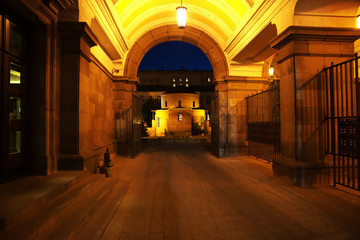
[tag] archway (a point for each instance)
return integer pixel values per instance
(166, 33)
(190, 35)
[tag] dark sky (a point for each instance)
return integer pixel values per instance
(175, 55)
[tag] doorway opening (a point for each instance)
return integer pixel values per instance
(176, 91)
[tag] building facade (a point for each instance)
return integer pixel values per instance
(179, 116)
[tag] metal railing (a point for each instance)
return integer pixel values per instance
(342, 115)
(330, 122)
(264, 134)
(128, 130)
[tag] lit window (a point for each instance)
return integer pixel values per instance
(209, 80)
(187, 80)
(15, 73)
(180, 80)
(180, 117)
(173, 79)
(174, 85)
(187, 85)
(358, 21)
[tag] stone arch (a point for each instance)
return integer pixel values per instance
(166, 33)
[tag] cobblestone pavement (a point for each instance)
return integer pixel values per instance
(183, 192)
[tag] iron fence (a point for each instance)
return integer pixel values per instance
(129, 127)
(342, 115)
(264, 135)
(330, 122)
(215, 131)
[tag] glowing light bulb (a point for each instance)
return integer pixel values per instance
(271, 71)
(181, 16)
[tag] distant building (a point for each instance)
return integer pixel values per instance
(179, 116)
(155, 83)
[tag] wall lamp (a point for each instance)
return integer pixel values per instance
(271, 71)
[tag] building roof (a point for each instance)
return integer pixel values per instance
(180, 89)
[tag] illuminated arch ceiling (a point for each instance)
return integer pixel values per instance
(218, 18)
(241, 28)
(119, 24)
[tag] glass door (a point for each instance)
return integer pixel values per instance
(14, 162)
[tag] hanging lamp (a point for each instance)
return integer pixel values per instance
(181, 16)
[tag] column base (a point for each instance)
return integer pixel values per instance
(71, 162)
(229, 150)
(305, 174)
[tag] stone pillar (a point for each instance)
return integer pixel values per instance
(304, 52)
(231, 94)
(124, 89)
(76, 41)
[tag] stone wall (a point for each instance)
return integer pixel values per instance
(96, 113)
(187, 100)
(180, 128)
(162, 117)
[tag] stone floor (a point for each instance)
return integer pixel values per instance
(176, 192)
(183, 192)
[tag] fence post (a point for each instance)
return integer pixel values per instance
(332, 118)
(357, 86)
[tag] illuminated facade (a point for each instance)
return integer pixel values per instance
(154, 83)
(180, 116)
(78, 60)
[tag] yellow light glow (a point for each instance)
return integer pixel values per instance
(358, 21)
(181, 16)
(218, 18)
(271, 71)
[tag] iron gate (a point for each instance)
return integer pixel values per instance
(342, 101)
(215, 126)
(264, 136)
(129, 129)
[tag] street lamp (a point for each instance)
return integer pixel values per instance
(181, 16)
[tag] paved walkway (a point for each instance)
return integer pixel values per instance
(183, 192)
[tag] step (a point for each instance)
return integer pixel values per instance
(40, 221)
(78, 214)
(21, 198)
(99, 221)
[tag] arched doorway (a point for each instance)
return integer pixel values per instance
(190, 35)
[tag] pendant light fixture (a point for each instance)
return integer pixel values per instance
(181, 16)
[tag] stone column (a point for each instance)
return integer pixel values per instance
(231, 93)
(304, 52)
(76, 41)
